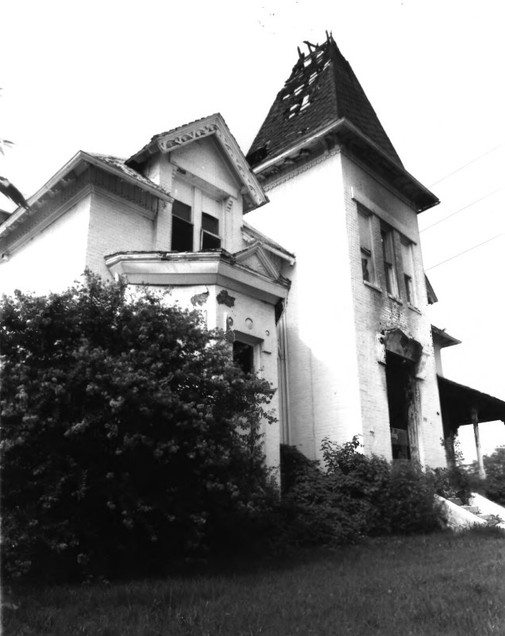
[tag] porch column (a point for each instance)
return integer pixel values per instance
(480, 462)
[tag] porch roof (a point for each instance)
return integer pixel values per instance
(458, 401)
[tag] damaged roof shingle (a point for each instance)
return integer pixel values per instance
(120, 164)
(321, 89)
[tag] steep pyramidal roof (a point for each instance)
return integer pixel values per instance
(321, 90)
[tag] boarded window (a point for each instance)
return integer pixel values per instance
(182, 227)
(388, 255)
(365, 237)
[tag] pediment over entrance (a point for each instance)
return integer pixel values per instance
(396, 341)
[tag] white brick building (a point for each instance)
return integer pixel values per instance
(323, 287)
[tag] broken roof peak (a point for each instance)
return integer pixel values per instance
(313, 48)
(321, 90)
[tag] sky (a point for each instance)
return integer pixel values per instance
(105, 76)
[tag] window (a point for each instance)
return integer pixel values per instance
(388, 255)
(182, 227)
(243, 356)
(365, 238)
(408, 271)
(210, 232)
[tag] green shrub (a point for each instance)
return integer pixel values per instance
(493, 486)
(353, 495)
(314, 510)
(128, 435)
(452, 482)
(410, 506)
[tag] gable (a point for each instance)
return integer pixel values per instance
(253, 262)
(254, 257)
(203, 159)
(213, 127)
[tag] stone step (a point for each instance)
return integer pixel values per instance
(492, 520)
(473, 509)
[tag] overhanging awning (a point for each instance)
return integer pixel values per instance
(458, 401)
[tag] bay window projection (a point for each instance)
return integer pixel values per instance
(365, 238)
(408, 270)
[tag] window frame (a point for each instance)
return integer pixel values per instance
(408, 267)
(196, 209)
(178, 218)
(389, 260)
(204, 232)
(366, 246)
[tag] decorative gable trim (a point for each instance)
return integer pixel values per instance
(180, 137)
(212, 125)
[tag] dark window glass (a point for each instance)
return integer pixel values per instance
(243, 356)
(210, 232)
(181, 211)
(182, 228)
(210, 223)
(409, 288)
(210, 242)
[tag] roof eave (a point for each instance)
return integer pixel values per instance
(78, 159)
(444, 338)
(422, 198)
(420, 195)
(19, 213)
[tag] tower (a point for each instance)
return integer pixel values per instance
(358, 353)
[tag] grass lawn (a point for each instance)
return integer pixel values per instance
(430, 585)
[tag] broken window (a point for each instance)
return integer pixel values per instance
(408, 271)
(182, 227)
(388, 255)
(365, 238)
(210, 232)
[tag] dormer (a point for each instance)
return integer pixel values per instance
(202, 167)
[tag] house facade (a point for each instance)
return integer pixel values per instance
(306, 253)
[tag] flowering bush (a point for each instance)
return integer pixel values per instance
(128, 434)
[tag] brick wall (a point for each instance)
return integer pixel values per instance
(376, 311)
(47, 257)
(337, 385)
(116, 225)
(306, 214)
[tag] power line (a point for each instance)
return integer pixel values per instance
(474, 247)
(488, 152)
(461, 209)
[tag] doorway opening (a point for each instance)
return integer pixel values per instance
(401, 391)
